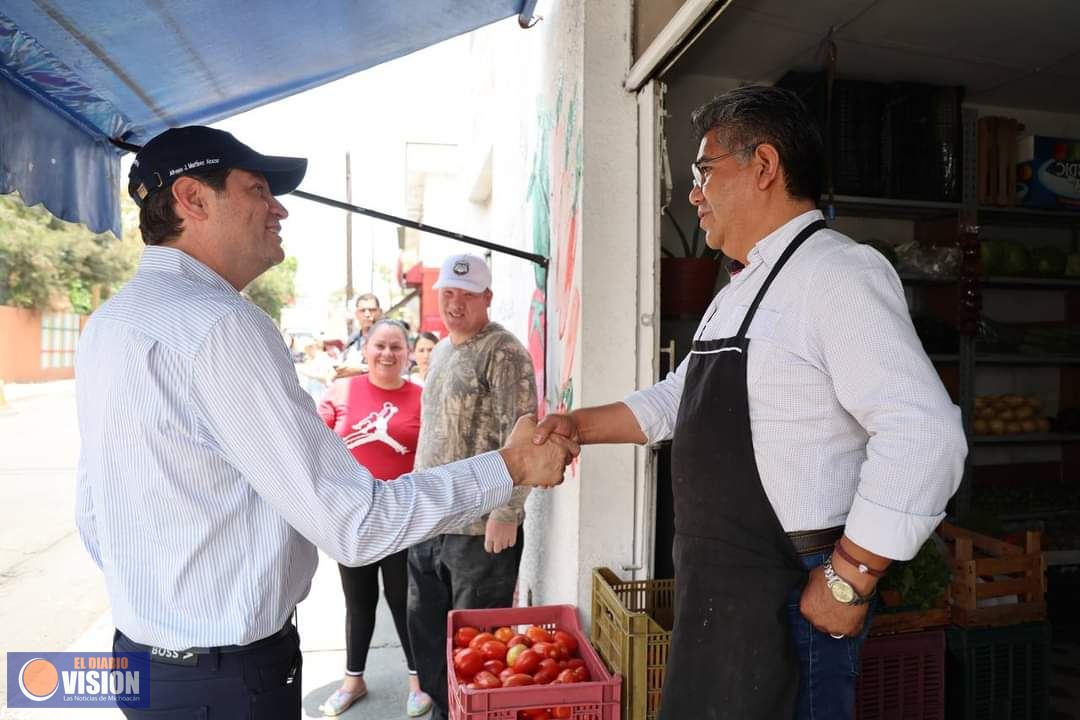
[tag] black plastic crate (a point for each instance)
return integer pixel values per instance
(922, 142)
(1000, 673)
(902, 677)
(852, 131)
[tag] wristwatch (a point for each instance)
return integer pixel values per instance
(841, 589)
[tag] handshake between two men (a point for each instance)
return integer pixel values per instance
(537, 464)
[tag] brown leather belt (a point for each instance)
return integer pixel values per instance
(807, 542)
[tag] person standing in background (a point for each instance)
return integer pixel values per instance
(368, 310)
(425, 344)
(480, 380)
(378, 416)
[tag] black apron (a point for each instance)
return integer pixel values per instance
(732, 654)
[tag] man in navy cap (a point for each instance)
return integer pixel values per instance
(206, 479)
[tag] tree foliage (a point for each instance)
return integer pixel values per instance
(274, 289)
(49, 264)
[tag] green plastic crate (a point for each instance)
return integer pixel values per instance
(631, 629)
(1000, 673)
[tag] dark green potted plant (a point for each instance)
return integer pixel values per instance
(687, 282)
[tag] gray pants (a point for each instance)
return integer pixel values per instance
(446, 573)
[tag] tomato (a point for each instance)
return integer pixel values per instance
(519, 640)
(494, 666)
(546, 649)
(581, 674)
(504, 634)
(480, 639)
(514, 653)
(545, 676)
(519, 679)
(505, 673)
(537, 634)
(493, 650)
(527, 661)
(562, 712)
(464, 635)
(575, 663)
(565, 677)
(549, 664)
(561, 637)
(468, 662)
(486, 681)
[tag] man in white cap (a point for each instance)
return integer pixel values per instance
(479, 382)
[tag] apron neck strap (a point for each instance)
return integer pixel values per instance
(788, 251)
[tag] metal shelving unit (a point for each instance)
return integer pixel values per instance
(1026, 439)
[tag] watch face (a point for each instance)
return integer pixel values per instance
(842, 592)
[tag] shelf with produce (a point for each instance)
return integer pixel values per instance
(1030, 283)
(1001, 282)
(859, 206)
(1025, 216)
(1035, 438)
(1041, 359)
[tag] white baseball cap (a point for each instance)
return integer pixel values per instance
(465, 272)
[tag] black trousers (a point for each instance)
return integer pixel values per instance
(446, 573)
(361, 588)
(260, 683)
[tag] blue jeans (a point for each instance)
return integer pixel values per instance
(829, 667)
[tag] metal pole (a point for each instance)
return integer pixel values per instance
(348, 232)
(404, 222)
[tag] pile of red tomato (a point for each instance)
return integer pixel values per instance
(505, 658)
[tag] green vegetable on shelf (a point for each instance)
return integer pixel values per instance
(921, 581)
(1049, 261)
(1072, 265)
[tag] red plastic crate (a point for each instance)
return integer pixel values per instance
(597, 699)
(902, 677)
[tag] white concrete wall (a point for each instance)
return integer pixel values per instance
(562, 132)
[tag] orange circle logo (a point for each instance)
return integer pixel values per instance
(38, 679)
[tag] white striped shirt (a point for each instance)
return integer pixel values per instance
(206, 478)
(851, 423)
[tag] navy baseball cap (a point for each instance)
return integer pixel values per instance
(196, 150)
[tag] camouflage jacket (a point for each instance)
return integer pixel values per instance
(473, 394)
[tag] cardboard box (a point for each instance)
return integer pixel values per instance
(1048, 173)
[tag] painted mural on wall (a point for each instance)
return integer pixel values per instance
(554, 199)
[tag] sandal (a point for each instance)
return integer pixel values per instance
(419, 703)
(339, 702)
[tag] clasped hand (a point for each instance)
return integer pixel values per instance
(537, 465)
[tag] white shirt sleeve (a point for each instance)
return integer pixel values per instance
(657, 407)
(860, 329)
(255, 415)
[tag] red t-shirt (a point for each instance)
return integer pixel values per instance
(379, 426)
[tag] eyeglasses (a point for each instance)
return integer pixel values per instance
(700, 172)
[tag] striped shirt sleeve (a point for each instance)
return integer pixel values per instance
(268, 429)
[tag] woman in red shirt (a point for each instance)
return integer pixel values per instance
(378, 416)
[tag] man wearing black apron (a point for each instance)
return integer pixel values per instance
(802, 462)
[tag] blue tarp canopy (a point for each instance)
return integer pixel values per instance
(76, 75)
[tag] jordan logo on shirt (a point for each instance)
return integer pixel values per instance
(375, 427)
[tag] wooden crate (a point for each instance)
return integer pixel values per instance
(984, 568)
(891, 623)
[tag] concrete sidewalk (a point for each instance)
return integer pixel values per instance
(321, 621)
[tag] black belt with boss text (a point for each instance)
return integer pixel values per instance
(190, 656)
